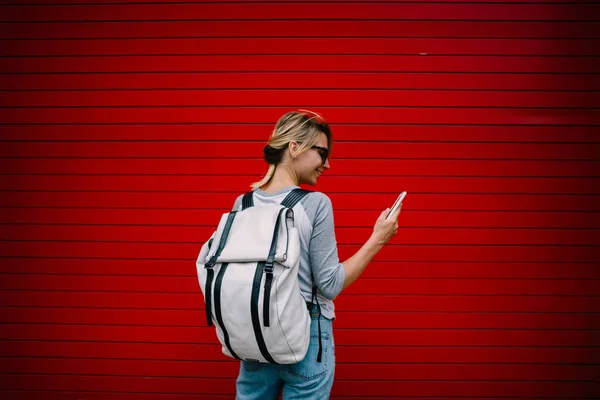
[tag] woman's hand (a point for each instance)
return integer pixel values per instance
(383, 231)
(384, 228)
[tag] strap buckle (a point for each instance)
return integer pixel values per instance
(269, 267)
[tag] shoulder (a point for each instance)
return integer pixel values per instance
(316, 203)
(320, 198)
(237, 203)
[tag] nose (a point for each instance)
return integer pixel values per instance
(327, 164)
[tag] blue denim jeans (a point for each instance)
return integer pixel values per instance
(307, 379)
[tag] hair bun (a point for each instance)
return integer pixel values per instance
(272, 155)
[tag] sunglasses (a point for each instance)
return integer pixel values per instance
(323, 152)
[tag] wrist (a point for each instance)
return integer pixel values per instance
(376, 241)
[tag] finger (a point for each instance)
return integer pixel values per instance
(397, 213)
(384, 214)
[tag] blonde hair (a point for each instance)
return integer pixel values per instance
(301, 126)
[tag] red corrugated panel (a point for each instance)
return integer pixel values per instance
(128, 127)
(346, 319)
(352, 166)
(269, 82)
(339, 184)
(291, 98)
(304, 28)
(175, 223)
(303, 46)
(450, 303)
(298, 63)
(416, 236)
(345, 132)
(296, 11)
(218, 201)
(157, 368)
(233, 2)
(347, 151)
(388, 115)
(389, 336)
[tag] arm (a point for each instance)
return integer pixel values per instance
(331, 276)
(382, 232)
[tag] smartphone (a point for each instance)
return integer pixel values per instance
(397, 204)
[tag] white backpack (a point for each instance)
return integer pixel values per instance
(248, 272)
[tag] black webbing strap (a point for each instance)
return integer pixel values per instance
(267, 297)
(209, 278)
(268, 267)
(247, 200)
(210, 273)
(218, 314)
(273, 249)
(254, 313)
(314, 299)
(224, 234)
(294, 197)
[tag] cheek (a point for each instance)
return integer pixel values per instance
(309, 164)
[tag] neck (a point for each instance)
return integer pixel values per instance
(282, 178)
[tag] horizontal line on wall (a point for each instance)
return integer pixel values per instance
(370, 346)
(257, 158)
(366, 381)
(231, 361)
(337, 209)
(336, 142)
(296, 72)
(74, 393)
(126, 21)
(568, 56)
(224, 210)
(364, 227)
(256, 2)
(271, 123)
(337, 311)
(530, 38)
(270, 106)
(363, 295)
(362, 279)
(495, 55)
(329, 192)
(565, 21)
(327, 174)
(279, 89)
(339, 244)
(365, 278)
(116, 2)
(375, 262)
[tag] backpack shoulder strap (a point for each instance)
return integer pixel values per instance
(247, 200)
(294, 197)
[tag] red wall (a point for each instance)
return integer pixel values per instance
(128, 128)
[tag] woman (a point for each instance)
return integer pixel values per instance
(298, 153)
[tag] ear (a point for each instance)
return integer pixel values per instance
(293, 148)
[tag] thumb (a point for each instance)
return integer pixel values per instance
(384, 213)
